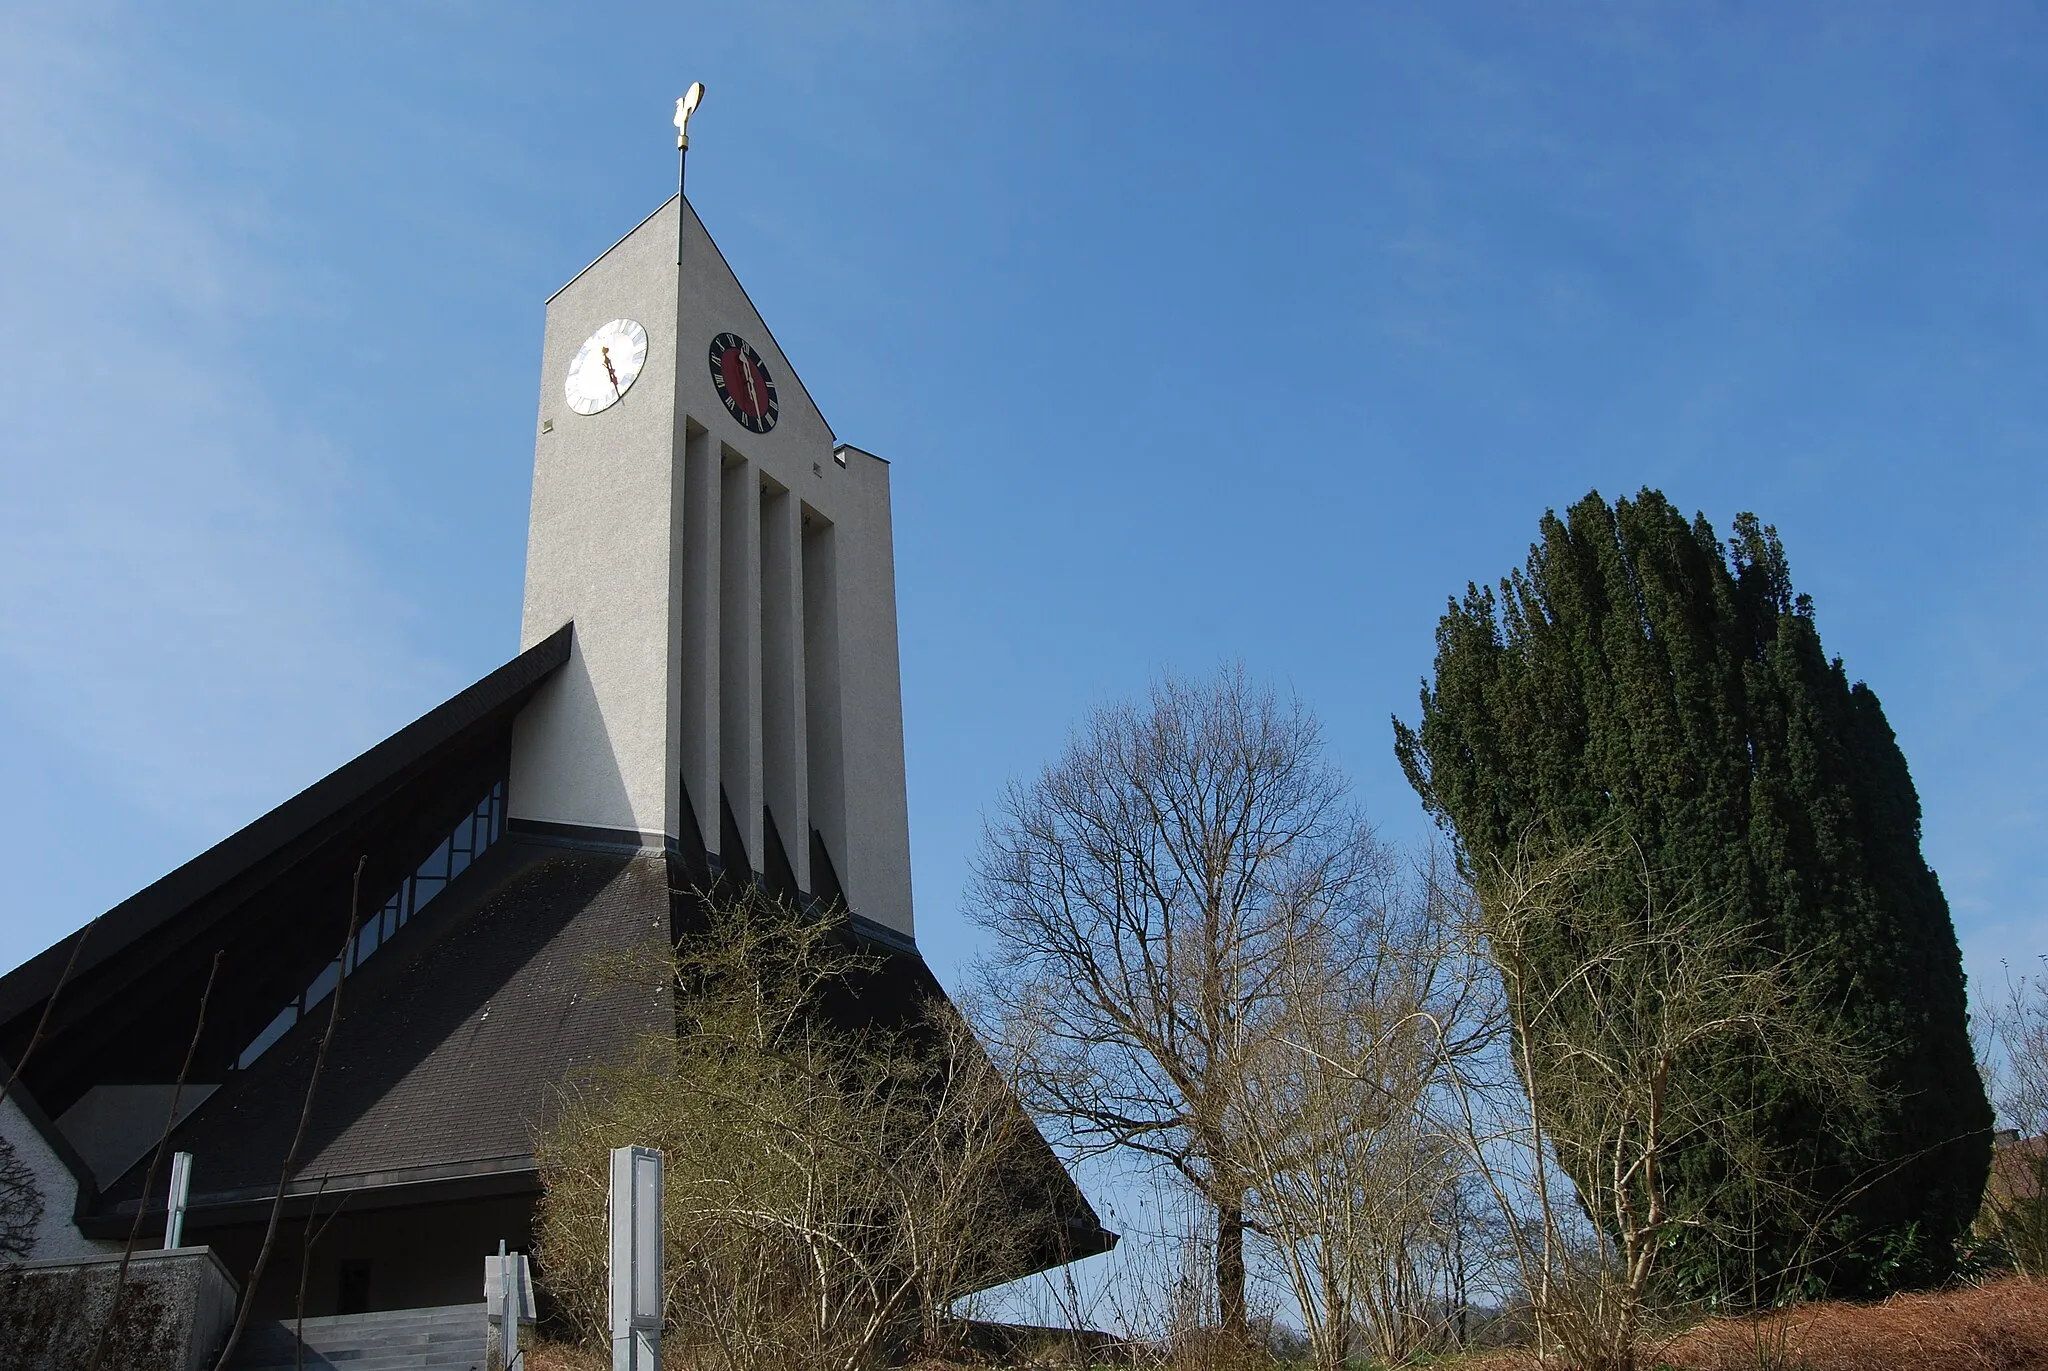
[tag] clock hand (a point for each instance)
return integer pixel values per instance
(606, 353)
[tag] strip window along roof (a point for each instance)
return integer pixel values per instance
(472, 836)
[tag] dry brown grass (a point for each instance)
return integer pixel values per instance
(565, 1356)
(1999, 1326)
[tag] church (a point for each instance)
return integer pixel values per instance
(706, 687)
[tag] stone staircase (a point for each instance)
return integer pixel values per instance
(450, 1337)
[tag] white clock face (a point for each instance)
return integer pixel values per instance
(606, 366)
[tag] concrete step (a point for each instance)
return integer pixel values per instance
(436, 1316)
(471, 1360)
(338, 1338)
(449, 1338)
(396, 1361)
(465, 1359)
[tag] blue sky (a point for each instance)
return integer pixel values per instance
(1193, 333)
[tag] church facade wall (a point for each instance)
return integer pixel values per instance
(875, 795)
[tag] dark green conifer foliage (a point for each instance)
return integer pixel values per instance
(1636, 673)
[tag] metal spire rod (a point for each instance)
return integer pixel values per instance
(685, 107)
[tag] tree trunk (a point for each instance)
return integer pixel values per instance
(1336, 1319)
(1230, 1265)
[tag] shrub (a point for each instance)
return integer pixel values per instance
(829, 1188)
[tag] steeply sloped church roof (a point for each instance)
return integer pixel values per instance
(272, 899)
(447, 1055)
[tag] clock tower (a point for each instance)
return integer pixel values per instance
(732, 689)
(395, 973)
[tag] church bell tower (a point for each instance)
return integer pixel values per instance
(733, 687)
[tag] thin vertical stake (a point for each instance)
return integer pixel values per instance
(508, 1316)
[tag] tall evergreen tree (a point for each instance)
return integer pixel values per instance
(1636, 673)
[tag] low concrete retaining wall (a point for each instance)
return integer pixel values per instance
(176, 1308)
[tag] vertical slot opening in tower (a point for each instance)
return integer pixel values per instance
(698, 669)
(824, 761)
(785, 818)
(739, 655)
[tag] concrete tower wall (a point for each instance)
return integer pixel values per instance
(733, 595)
(593, 749)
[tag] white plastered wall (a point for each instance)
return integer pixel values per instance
(57, 1238)
(751, 647)
(593, 750)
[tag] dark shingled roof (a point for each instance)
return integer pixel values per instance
(273, 896)
(447, 1056)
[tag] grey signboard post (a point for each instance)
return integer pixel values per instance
(634, 1207)
(174, 1205)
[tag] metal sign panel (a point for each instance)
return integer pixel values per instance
(634, 1210)
(181, 1190)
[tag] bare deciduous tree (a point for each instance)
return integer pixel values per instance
(1149, 895)
(2018, 1025)
(2015, 1213)
(1354, 1185)
(1619, 1063)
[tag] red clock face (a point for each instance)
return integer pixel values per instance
(743, 383)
